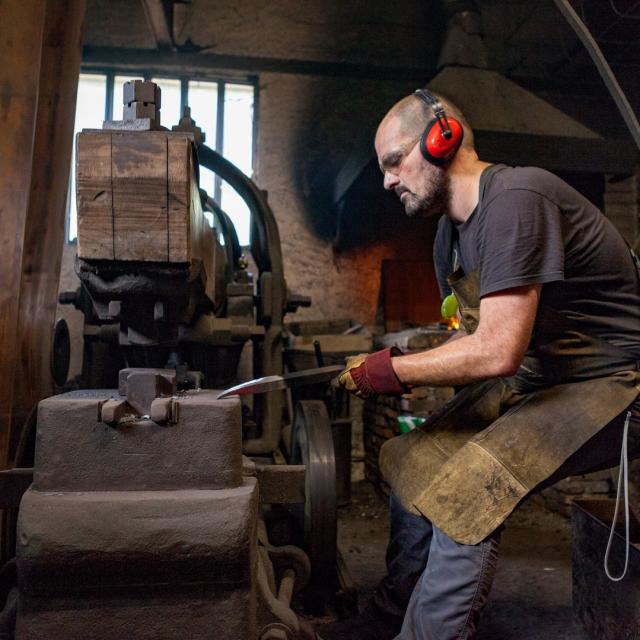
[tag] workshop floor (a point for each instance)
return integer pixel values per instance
(531, 596)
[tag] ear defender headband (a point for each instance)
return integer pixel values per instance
(443, 135)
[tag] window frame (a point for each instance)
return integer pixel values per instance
(220, 78)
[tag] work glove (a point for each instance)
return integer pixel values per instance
(369, 375)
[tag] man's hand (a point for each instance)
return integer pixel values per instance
(345, 379)
(369, 375)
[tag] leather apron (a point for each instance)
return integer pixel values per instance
(470, 464)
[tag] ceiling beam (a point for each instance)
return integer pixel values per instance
(159, 22)
(152, 59)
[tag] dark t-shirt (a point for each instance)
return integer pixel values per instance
(530, 227)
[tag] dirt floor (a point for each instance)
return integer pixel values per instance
(531, 596)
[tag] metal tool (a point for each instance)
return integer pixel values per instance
(288, 380)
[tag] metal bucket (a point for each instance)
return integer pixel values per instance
(605, 609)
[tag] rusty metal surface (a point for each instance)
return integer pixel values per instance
(313, 446)
(150, 564)
(606, 610)
(77, 452)
(290, 565)
(281, 484)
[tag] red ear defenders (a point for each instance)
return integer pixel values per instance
(443, 135)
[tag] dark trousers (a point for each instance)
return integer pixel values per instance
(435, 588)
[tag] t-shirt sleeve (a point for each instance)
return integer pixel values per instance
(520, 241)
(441, 256)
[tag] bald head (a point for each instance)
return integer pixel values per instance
(411, 115)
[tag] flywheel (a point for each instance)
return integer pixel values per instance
(312, 445)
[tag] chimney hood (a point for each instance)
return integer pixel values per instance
(511, 125)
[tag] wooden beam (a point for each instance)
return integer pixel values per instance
(189, 62)
(159, 23)
(20, 45)
(45, 217)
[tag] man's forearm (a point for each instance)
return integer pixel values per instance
(456, 362)
(495, 349)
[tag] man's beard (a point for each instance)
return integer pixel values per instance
(435, 200)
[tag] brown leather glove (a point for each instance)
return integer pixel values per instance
(369, 375)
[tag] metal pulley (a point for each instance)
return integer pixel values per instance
(312, 445)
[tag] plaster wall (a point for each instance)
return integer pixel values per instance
(306, 131)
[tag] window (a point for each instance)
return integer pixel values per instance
(222, 109)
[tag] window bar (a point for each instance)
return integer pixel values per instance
(217, 190)
(108, 107)
(254, 133)
(184, 94)
(67, 216)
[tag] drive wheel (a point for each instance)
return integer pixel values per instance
(312, 445)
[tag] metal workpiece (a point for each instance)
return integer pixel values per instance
(286, 381)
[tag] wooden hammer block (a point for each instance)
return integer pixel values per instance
(94, 196)
(140, 196)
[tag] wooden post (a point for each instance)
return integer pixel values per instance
(45, 222)
(20, 47)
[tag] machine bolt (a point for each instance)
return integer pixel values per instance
(141, 100)
(164, 410)
(141, 91)
(111, 411)
(137, 110)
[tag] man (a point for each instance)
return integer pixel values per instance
(548, 293)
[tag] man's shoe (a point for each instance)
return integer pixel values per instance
(365, 626)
